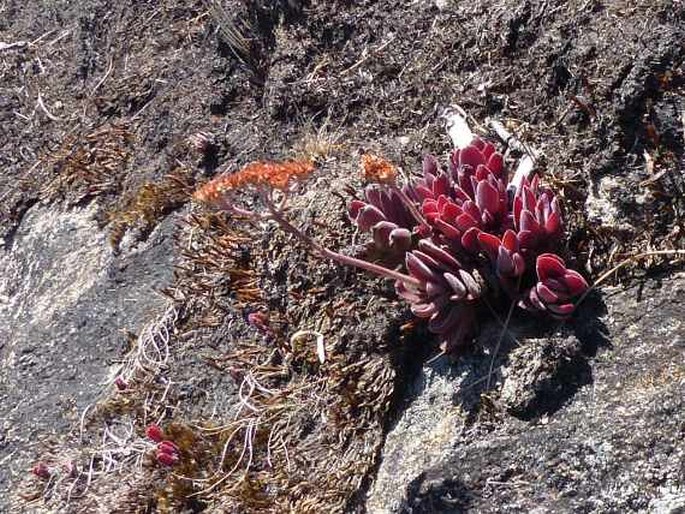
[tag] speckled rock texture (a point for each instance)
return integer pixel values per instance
(113, 113)
(616, 445)
(66, 302)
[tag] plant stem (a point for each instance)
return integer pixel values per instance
(347, 260)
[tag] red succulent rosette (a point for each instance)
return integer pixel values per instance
(556, 287)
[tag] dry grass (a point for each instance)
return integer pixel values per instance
(298, 442)
(231, 33)
(89, 166)
(150, 204)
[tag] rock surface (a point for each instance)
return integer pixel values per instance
(112, 113)
(66, 304)
(615, 446)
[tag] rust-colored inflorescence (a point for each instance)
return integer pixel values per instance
(274, 175)
(376, 169)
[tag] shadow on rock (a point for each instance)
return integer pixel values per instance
(536, 366)
(447, 496)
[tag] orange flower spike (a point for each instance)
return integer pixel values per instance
(276, 175)
(377, 169)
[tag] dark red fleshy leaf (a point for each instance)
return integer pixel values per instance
(575, 283)
(487, 197)
(434, 289)
(423, 192)
(479, 143)
(490, 244)
(505, 264)
(471, 285)
(528, 223)
(553, 224)
(434, 264)
(518, 207)
(526, 239)
(381, 233)
(535, 300)
(519, 264)
(496, 164)
(400, 239)
(471, 156)
(355, 207)
(509, 240)
(450, 231)
(563, 310)
(410, 295)
(545, 293)
(423, 310)
(488, 150)
(549, 265)
(465, 221)
(444, 257)
(457, 285)
(418, 269)
(368, 216)
(450, 211)
(373, 196)
(470, 240)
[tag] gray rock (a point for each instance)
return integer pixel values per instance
(613, 445)
(65, 299)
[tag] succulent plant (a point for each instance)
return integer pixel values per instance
(555, 288)
(485, 239)
(467, 236)
(386, 217)
(168, 453)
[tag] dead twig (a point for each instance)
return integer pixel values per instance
(367, 56)
(16, 44)
(39, 103)
(623, 263)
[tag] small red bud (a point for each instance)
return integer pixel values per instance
(259, 320)
(41, 470)
(154, 432)
(168, 459)
(120, 384)
(168, 447)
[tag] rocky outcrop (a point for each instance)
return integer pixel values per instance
(614, 445)
(66, 305)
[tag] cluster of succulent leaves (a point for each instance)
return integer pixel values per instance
(469, 239)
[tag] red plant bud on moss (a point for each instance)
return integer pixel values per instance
(259, 320)
(168, 447)
(41, 470)
(120, 384)
(168, 453)
(168, 459)
(154, 432)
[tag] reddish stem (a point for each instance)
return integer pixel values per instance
(339, 257)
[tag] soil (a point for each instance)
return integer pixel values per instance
(111, 114)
